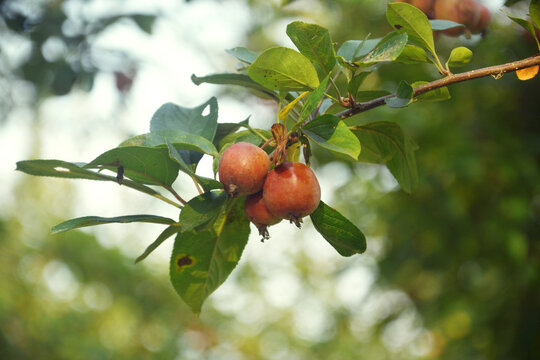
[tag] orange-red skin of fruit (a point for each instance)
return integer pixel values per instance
(243, 168)
(473, 15)
(257, 212)
(291, 191)
(481, 19)
(451, 10)
(425, 5)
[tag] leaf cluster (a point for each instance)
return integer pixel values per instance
(212, 230)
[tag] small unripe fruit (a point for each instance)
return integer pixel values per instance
(291, 191)
(257, 212)
(243, 168)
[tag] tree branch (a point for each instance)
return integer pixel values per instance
(497, 71)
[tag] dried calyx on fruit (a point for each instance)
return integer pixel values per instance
(291, 191)
(243, 168)
(279, 133)
(257, 212)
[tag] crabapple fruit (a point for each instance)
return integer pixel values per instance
(425, 5)
(291, 191)
(243, 168)
(257, 212)
(481, 19)
(452, 10)
(473, 15)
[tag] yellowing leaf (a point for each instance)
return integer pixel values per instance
(527, 73)
(283, 113)
(293, 152)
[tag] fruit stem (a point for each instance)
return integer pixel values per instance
(266, 143)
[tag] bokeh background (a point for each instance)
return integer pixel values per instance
(452, 271)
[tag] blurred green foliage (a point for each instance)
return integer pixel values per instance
(451, 271)
(59, 51)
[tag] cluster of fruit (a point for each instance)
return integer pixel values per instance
(288, 191)
(474, 15)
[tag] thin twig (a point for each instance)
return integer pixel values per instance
(172, 191)
(496, 71)
(196, 185)
(161, 197)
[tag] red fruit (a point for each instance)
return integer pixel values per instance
(481, 19)
(257, 212)
(243, 168)
(470, 13)
(452, 10)
(291, 191)
(425, 5)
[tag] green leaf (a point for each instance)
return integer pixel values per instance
(236, 79)
(534, 12)
(440, 25)
(284, 69)
(355, 83)
(412, 54)
(414, 22)
(404, 95)
(313, 101)
(189, 120)
(459, 56)
(167, 233)
(246, 136)
(342, 234)
(203, 259)
(96, 220)
(180, 140)
(363, 96)
(243, 54)
(225, 129)
(527, 25)
(439, 94)
(346, 65)
(206, 183)
(59, 168)
(389, 49)
(314, 42)
(63, 169)
(144, 22)
(201, 209)
(350, 50)
(333, 134)
(142, 164)
(385, 142)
